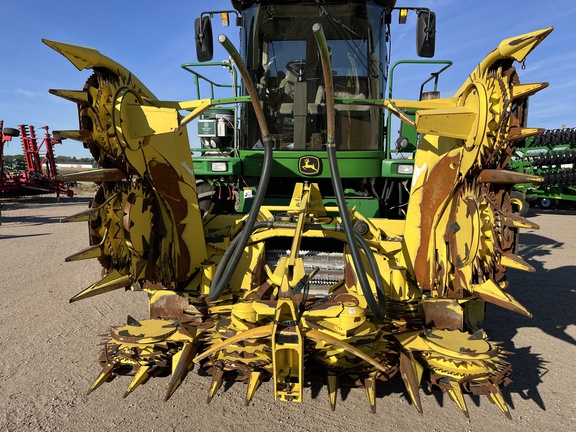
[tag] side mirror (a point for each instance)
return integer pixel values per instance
(426, 33)
(204, 39)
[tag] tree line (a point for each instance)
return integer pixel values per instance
(59, 159)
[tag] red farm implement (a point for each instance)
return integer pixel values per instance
(39, 175)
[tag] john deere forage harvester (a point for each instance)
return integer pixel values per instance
(305, 274)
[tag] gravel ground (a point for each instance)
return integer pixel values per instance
(50, 348)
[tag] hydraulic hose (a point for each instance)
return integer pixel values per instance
(381, 305)
(351, 237)
(370, 299)
(335, 175)
(226, 269)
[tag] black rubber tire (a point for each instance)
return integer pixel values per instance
(205, 195)
(545, 203)
(11, 132)
(519, 203)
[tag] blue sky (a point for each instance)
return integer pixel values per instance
(153, 39)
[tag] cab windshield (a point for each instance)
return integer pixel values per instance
(282, 57)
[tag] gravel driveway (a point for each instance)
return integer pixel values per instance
(49, 348)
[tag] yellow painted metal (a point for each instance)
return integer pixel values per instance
(104, 376)
(208, 269)
(217, 380)
(514, 261)
(96, 175)
(139, 378)
(508, 177)
(524, 90)
(287, 351)
(493, 293)
(332, 383)
(451, 122)
(370, 386)
(154, 331)
(88, 253)
(455, 393)
(77, 135)
(411, 372)
(127, 126)
(460, 214)
(112, 281)
(496, 397)
(77, 96)
(146, 120)
(182, 362)
(259, 332)
(253, 383)
(302, 203)
(438, 266)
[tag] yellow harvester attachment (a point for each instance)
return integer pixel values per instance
(429, 276)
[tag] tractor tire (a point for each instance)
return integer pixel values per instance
(205, 195)
(11, 132)
(545, 203)
(519, 203)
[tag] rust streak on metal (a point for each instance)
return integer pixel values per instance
(167, 183)
(430, 206)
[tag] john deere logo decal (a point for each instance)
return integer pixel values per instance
(309, 165)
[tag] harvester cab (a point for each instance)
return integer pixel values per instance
(274, 253)
(283, 60)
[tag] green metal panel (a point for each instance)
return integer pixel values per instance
(408, 131)
(203, 166)
(351, 164)
(368, 207)
(390, 167)
(554, 159)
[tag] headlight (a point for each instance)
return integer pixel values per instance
(404, 169)
(219, 166)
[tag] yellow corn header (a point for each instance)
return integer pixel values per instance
(408, 295)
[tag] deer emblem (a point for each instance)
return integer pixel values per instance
(309, 165)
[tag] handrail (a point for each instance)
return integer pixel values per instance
(227, 64)
(448, 63)
(433, 76)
